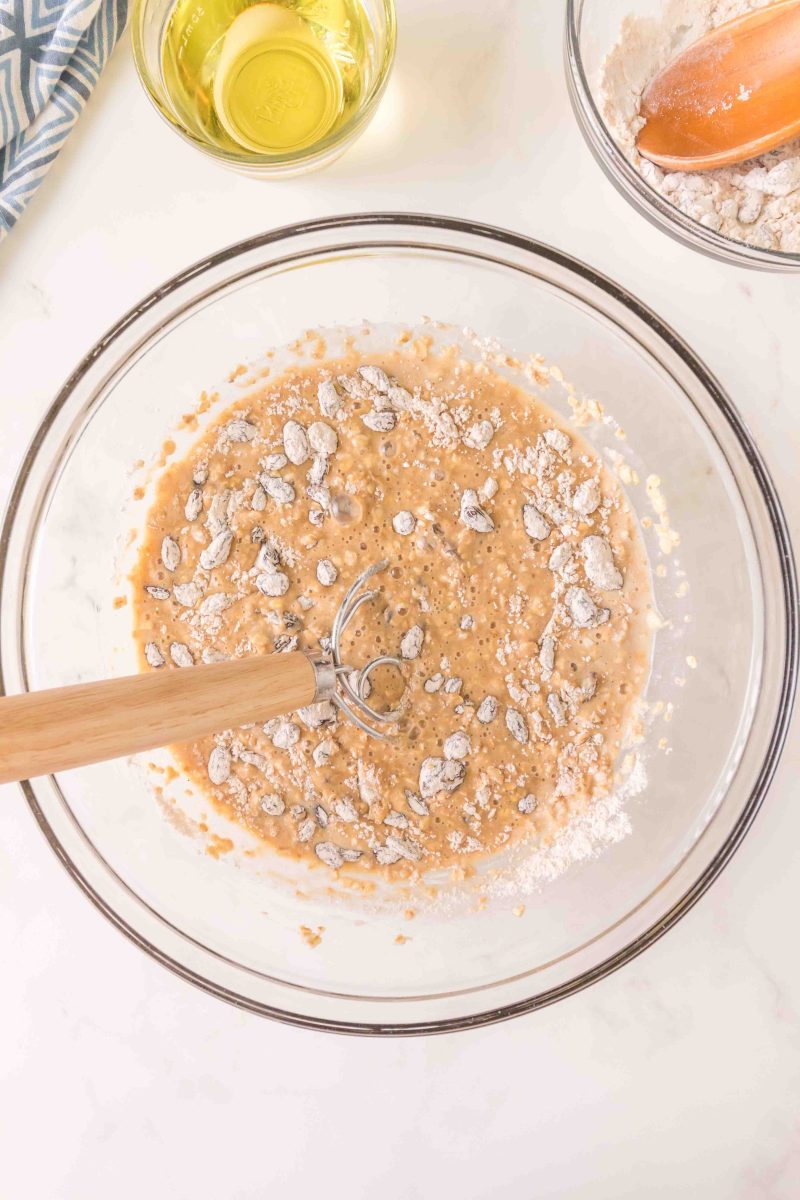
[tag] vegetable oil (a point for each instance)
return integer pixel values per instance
(268, 79)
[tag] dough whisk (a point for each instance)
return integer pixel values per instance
(54, 730)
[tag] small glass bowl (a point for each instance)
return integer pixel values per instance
(726, 596)
(150, 18)
(592, 28)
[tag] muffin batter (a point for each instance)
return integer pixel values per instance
(517, 598)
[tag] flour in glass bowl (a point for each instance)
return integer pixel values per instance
(756, 202)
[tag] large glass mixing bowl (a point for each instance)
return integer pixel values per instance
(726, 595)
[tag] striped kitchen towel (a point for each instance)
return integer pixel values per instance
(51, 56)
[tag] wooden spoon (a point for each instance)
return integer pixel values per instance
(43, 732)
(731, 95)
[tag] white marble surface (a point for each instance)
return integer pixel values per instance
(677, 1076)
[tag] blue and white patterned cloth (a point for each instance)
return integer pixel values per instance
(51, 56)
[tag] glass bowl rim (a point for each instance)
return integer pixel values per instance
(310, 156)
(779, 529)
(647, 202)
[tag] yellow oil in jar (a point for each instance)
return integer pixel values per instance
(268, 79)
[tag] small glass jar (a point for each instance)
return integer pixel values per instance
(149, 28)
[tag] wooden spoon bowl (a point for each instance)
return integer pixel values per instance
(729, 96)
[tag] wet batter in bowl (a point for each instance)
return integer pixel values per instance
(517, 598)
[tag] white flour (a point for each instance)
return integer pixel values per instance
(758, 201)
(603, 824)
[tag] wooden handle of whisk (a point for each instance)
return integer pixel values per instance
(43, 732)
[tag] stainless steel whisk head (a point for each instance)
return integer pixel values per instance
(353, 700)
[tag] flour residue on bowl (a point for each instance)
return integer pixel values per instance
(604, 823)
